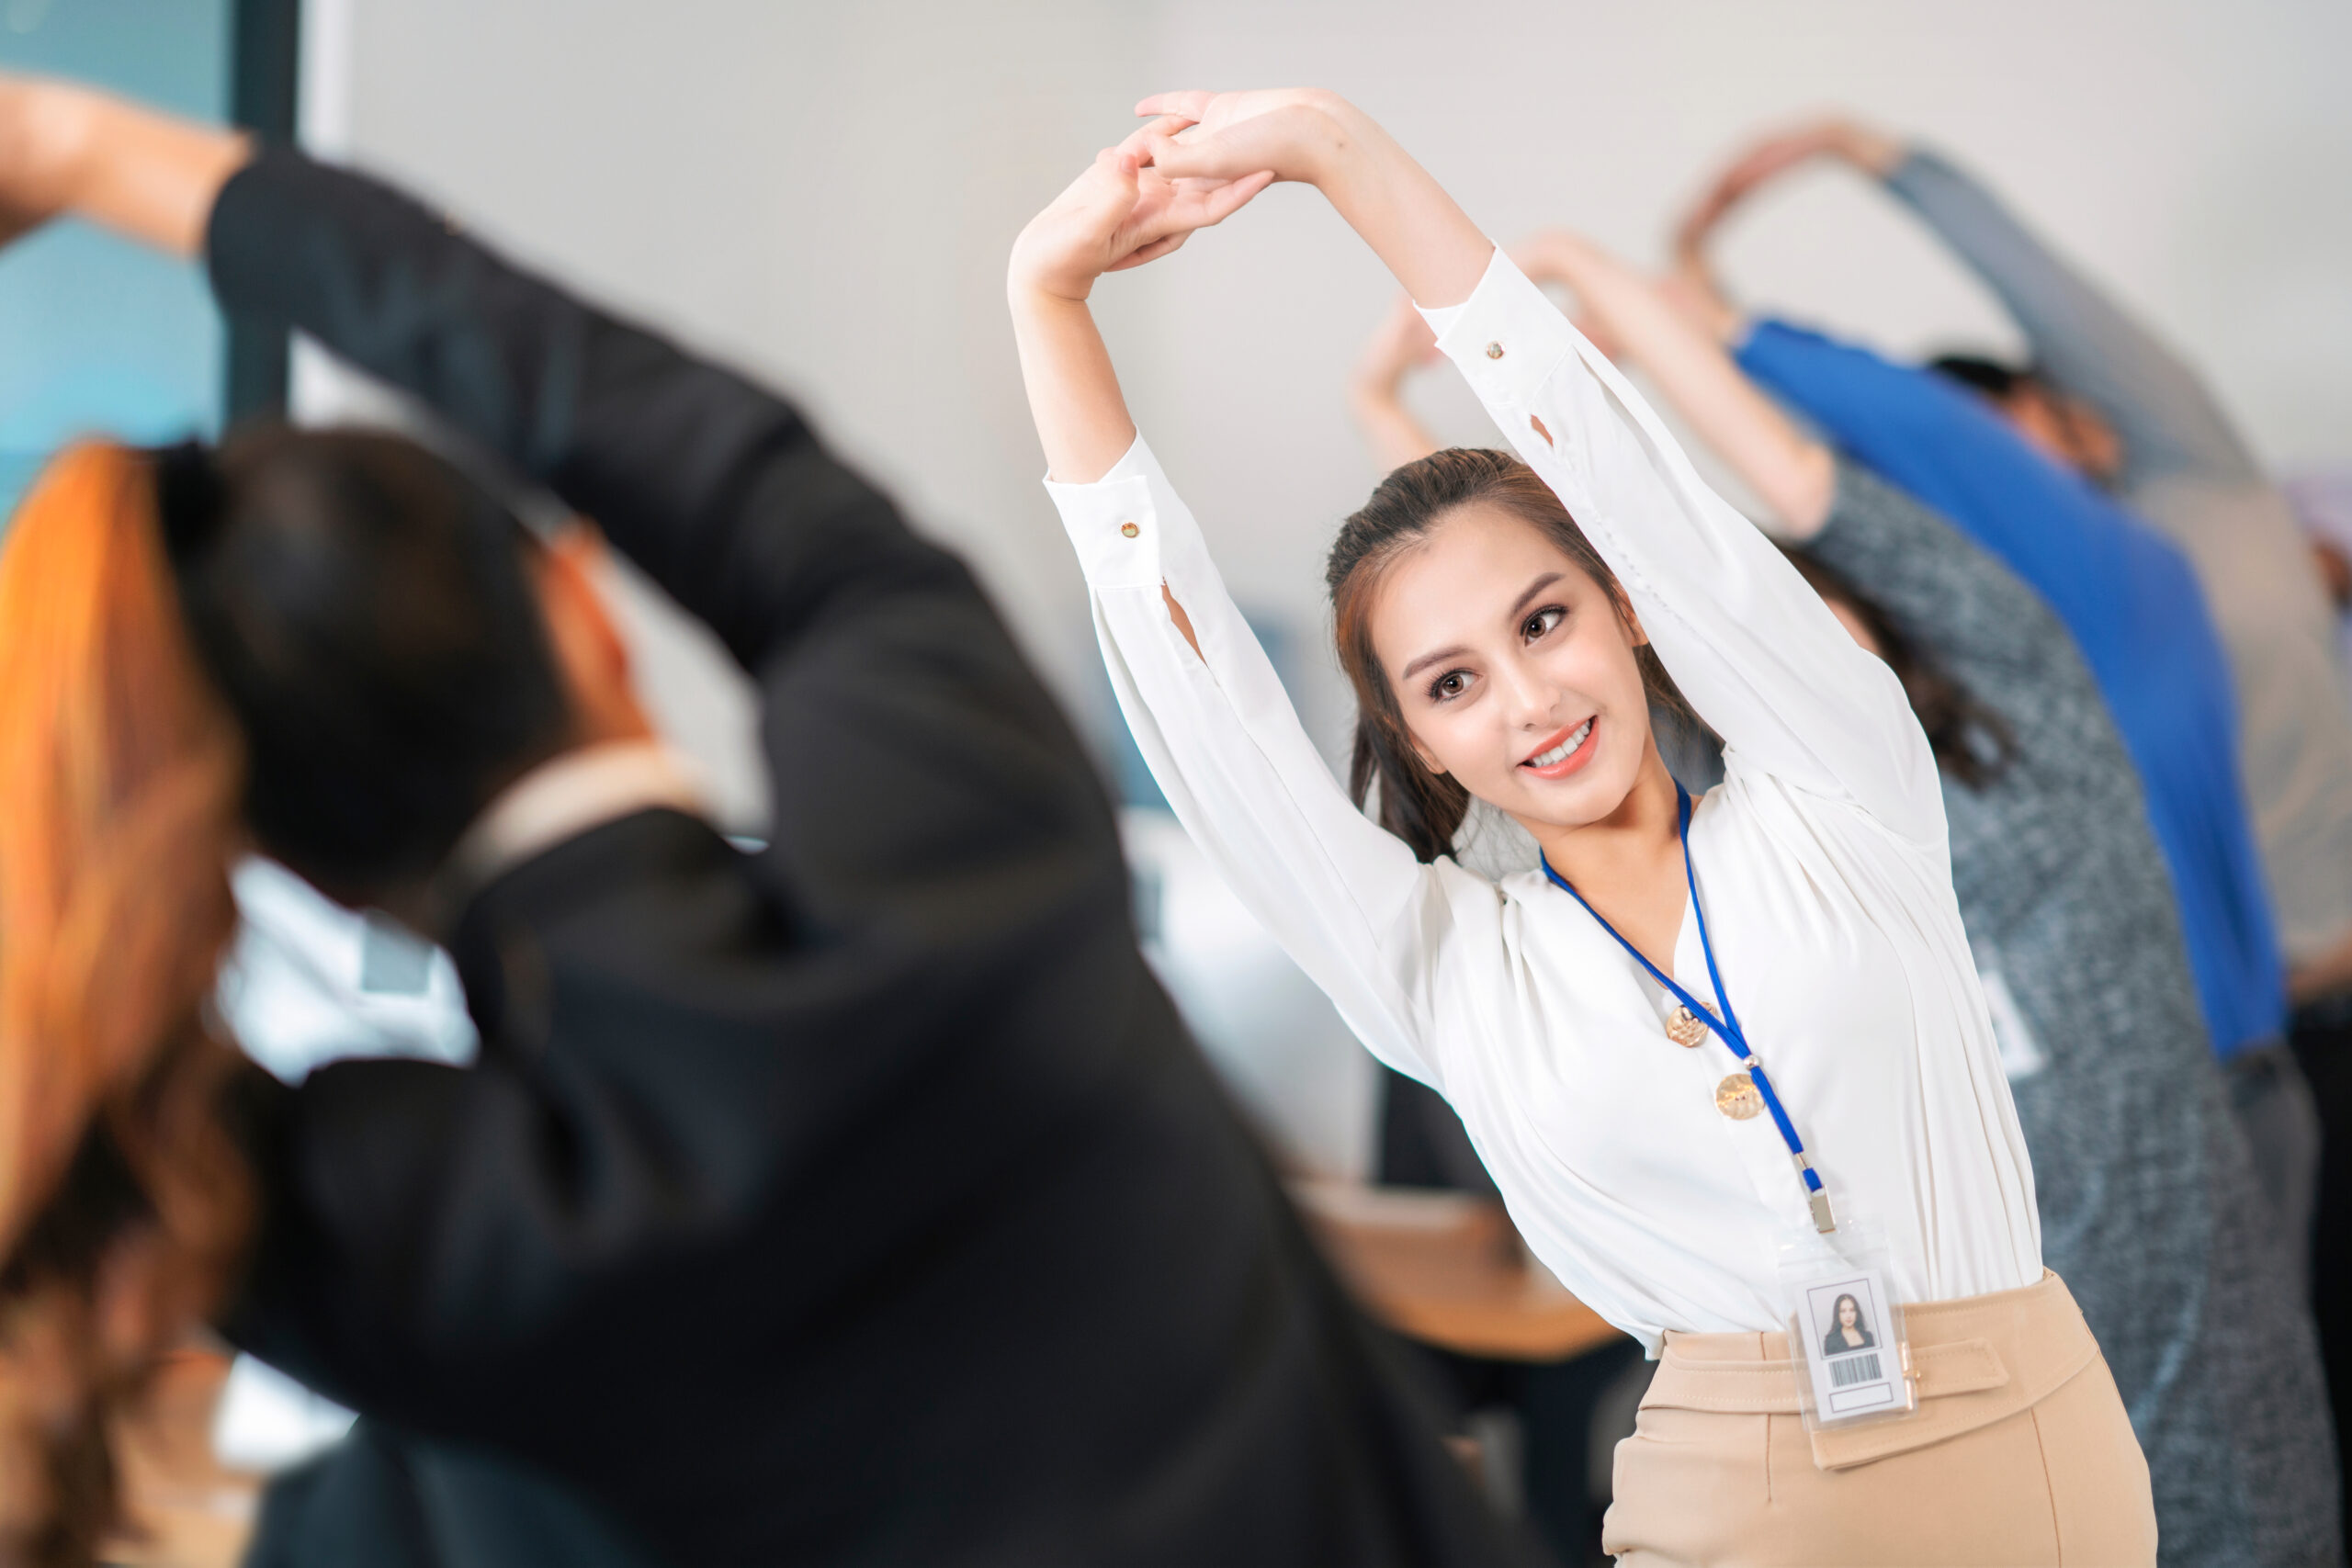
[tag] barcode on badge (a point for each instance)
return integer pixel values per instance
(1851, 1369)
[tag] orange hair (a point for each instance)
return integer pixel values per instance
(119, 778)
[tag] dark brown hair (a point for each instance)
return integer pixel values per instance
(1971, 741)
(1423, 808)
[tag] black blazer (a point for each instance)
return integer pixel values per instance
(863, 1200)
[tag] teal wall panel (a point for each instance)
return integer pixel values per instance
(98, 335)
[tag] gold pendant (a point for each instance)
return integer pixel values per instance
(1684, 1029)
(1738, 1097)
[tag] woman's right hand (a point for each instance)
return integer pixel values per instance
(1120, 213)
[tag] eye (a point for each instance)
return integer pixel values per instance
(1450, 685)
(1541, 621)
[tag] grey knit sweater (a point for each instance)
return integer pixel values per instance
(2149, 1210)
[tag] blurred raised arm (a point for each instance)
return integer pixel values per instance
(1686, 358)
(1376, 387)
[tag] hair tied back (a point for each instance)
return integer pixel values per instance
(191, 499)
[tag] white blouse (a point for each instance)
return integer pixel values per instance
(1820, 859)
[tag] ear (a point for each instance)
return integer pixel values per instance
(591, 654)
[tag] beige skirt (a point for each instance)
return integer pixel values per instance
(2020, 1454)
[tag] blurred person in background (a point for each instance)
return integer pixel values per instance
(861, 1198)
(2141, 1174)
(1506, 621)
(2133, 604)
(2104, 396)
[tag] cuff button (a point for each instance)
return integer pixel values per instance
(1129, 529)
(1494, 351)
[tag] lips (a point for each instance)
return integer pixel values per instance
(1564, 753)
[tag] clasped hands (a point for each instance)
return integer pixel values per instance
(1200, 158)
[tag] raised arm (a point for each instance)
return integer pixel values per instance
(1682, 352)
(1946, 593)
(701, 478)
(2081, 340)
(2086, 343)
(1763, 663)
(1344, 898)
(1116, 215)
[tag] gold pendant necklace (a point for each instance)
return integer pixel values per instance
(1684, 1029)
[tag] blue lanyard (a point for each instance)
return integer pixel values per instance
(1727, 1027)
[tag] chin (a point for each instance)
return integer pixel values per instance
(1592, 796)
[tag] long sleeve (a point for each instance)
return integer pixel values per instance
(940, 842)
(1339, 893)
(878, 657)
(1750, 645)
(2086, 344)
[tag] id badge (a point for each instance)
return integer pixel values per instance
(1853, 1360)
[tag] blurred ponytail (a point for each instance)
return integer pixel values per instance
(123, 1204)
(1425, 809)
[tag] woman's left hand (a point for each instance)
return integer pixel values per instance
(1293, 132)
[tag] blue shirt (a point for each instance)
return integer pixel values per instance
(2133, 606)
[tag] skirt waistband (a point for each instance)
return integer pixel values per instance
(1978, 1360)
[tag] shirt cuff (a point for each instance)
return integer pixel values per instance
(1507, 338)
(1114, 523)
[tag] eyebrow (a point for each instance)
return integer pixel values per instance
(1533, 588)
(1526, 597)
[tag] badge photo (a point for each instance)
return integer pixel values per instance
(1851, 1347)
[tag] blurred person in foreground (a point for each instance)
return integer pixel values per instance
(862, 1198)
(2140, 1175)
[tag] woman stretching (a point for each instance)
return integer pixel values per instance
(1604, 1025)
(2149, 1206)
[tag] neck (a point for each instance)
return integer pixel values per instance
(1628, 865)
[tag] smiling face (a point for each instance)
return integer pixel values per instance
(1514, 668)
(1848, 1315)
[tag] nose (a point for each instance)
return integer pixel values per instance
(1531, 701)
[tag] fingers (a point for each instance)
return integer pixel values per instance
(1151, 251)
(1186, 105)
(1210, 158)
(1227, 199)
(1140, 140)
(1119, 165)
